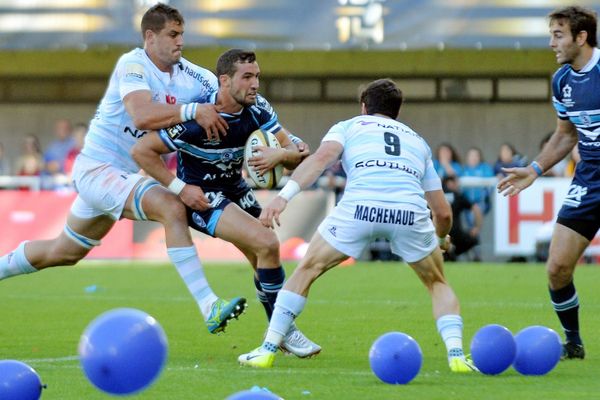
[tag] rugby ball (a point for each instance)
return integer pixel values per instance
(269, 179)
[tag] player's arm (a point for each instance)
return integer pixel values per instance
(147, 151)
(147, 114)
(560, 144)
(304, 176)
(442, 216)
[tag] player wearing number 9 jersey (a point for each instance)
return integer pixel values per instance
(390, 183)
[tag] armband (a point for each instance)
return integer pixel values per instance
(537, 168)
(187, 112)
(290, 189)
(176, 186)
(294, 139)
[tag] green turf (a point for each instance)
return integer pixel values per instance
(43, 315)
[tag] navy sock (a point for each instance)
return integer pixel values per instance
(566, 305)
(262, 297)
(271, 281)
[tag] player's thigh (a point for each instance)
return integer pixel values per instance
(151, 201)
(431, 268)
(566, 248)
(237, 226)
(320, 257)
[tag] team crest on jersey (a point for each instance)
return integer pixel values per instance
(175, 131)
(198, 220)
(566, 94)
(227, 156)
(586, 119)
(574, 195)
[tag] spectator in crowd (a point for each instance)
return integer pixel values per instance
(31, 161)
(476, 167)
(56, 153)
(463, 238)
(4, 164)
(79, 132)
(559, 169)
(508, 158)
(447, 161)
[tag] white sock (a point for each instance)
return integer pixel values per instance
(450, 328)
(190, 269)
(15, 263)
(287, 307)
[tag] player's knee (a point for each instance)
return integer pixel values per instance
(171, 211)
(558, 273)
(266, 243)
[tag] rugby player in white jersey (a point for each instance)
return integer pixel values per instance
(150, 88)
(390, 184)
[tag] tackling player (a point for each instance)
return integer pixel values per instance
(212, 169)
(144, 91)
(390, 184)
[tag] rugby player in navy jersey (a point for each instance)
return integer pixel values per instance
(209, 176)
(576, 98)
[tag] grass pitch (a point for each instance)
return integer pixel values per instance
(43, 315)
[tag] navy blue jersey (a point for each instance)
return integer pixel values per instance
(217, 164)
(576, 97)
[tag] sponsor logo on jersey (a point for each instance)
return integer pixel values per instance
(333, 230)
(574, 195)
(175, 131)
(388, 165)
(197, 75)
(134, 71)
(384, 215)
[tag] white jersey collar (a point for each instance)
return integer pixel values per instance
(593, 61)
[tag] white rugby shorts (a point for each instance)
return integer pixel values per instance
(352, 226)
(102, 189)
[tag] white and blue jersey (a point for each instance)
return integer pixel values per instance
(112, 132)
(385, 162)
(576, 97)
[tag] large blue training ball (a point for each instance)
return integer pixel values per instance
(253, 395)
(123, 351)
(18, 381)
(493, 349)
(538, 350)
(395, 358)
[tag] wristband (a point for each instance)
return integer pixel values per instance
(441, 240)
(290, 189)
(176, 186)
(187, 112)
(537, 168)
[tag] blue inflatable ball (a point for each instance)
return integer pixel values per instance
(493, 349)
(395, 358)
(538, 350)
(18, 381)
(123, 351)
(253, 395)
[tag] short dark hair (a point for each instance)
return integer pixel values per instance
(157, 17)
(226, 62)
(382, 97)
(579, 19)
